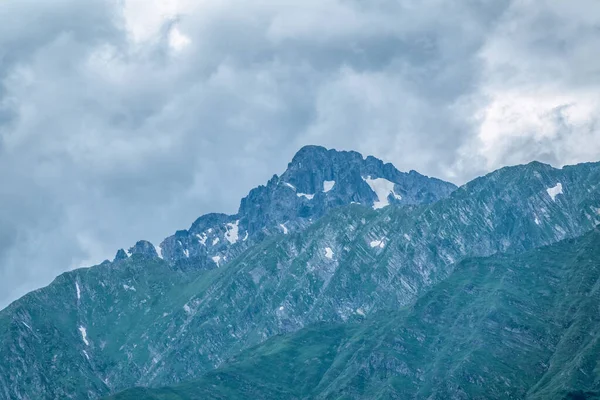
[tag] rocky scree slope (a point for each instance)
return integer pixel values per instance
(349, 265)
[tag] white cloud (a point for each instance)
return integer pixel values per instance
(144, 19)
(177, 40)
(541, 88)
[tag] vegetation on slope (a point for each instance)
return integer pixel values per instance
(503, 327)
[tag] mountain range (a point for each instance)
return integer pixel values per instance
(341, 278)
(505, 327)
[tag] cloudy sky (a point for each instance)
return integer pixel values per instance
(127, 119)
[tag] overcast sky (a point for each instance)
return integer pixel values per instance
(126, 120)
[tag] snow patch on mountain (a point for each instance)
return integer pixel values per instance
(555, 191)
(378, 243)
(83, 332)
(215, 241)
(232, 233)
(290, 185)
(383, 189)
(127, 287)
(284, 228)
(158, 251)
(329, 253)
(328, 185)
(78, 290)
(308, 196)
(202, 238)
(217, 260)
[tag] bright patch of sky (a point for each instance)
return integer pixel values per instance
(177, 40)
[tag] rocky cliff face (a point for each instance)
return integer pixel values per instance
(147, 320)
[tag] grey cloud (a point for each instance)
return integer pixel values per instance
(105, 140)
(540, 82)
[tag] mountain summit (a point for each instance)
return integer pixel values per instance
(315, 181)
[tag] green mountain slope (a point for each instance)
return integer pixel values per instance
(504, 327)
(139, 321)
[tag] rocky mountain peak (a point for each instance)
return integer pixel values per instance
(317, 158)
(121, 255)
(144, 248)
(315, 181)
